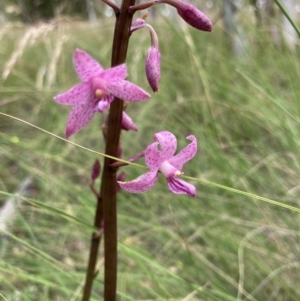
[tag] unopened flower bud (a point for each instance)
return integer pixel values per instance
(127, 123)
(190, 14)
(96, 169)
(152, 67)
(194, 16)
(152, 64)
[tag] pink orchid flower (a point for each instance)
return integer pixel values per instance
(164, 161)
(97, 91)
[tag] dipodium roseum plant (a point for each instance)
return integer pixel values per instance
(102, 90)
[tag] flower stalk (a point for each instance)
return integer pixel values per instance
(106, 209)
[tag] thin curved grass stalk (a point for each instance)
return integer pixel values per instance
(202, 181)
(281, 7)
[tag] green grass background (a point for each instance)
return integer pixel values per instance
(220, 245)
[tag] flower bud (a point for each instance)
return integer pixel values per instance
(152, 67)
(96, 169)
(190, 14)
(194, 16)
(152, 64)
(127, 123)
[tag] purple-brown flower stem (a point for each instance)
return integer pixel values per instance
(113, 5)
(118, 164)
(153, 35)
(174, 3)
(106, 204)
(108, 189)
(93, 189)
(148, 4)
(95, 243)
(145, 5)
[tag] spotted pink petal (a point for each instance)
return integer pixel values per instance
(118, 72)
(152, 67)
(193, 16)
(142, 183)
(185, 154)
(153, 157)
(86, 67)
(168, 143)
(81, 114)
(127, 123)
(125, 90)
(75, 95)
(178, 186)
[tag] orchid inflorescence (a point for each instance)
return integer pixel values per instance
(100, 87)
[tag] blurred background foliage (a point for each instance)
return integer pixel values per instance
(31, 11)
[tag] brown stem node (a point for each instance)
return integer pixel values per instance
(145, 5)
(113, 5)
